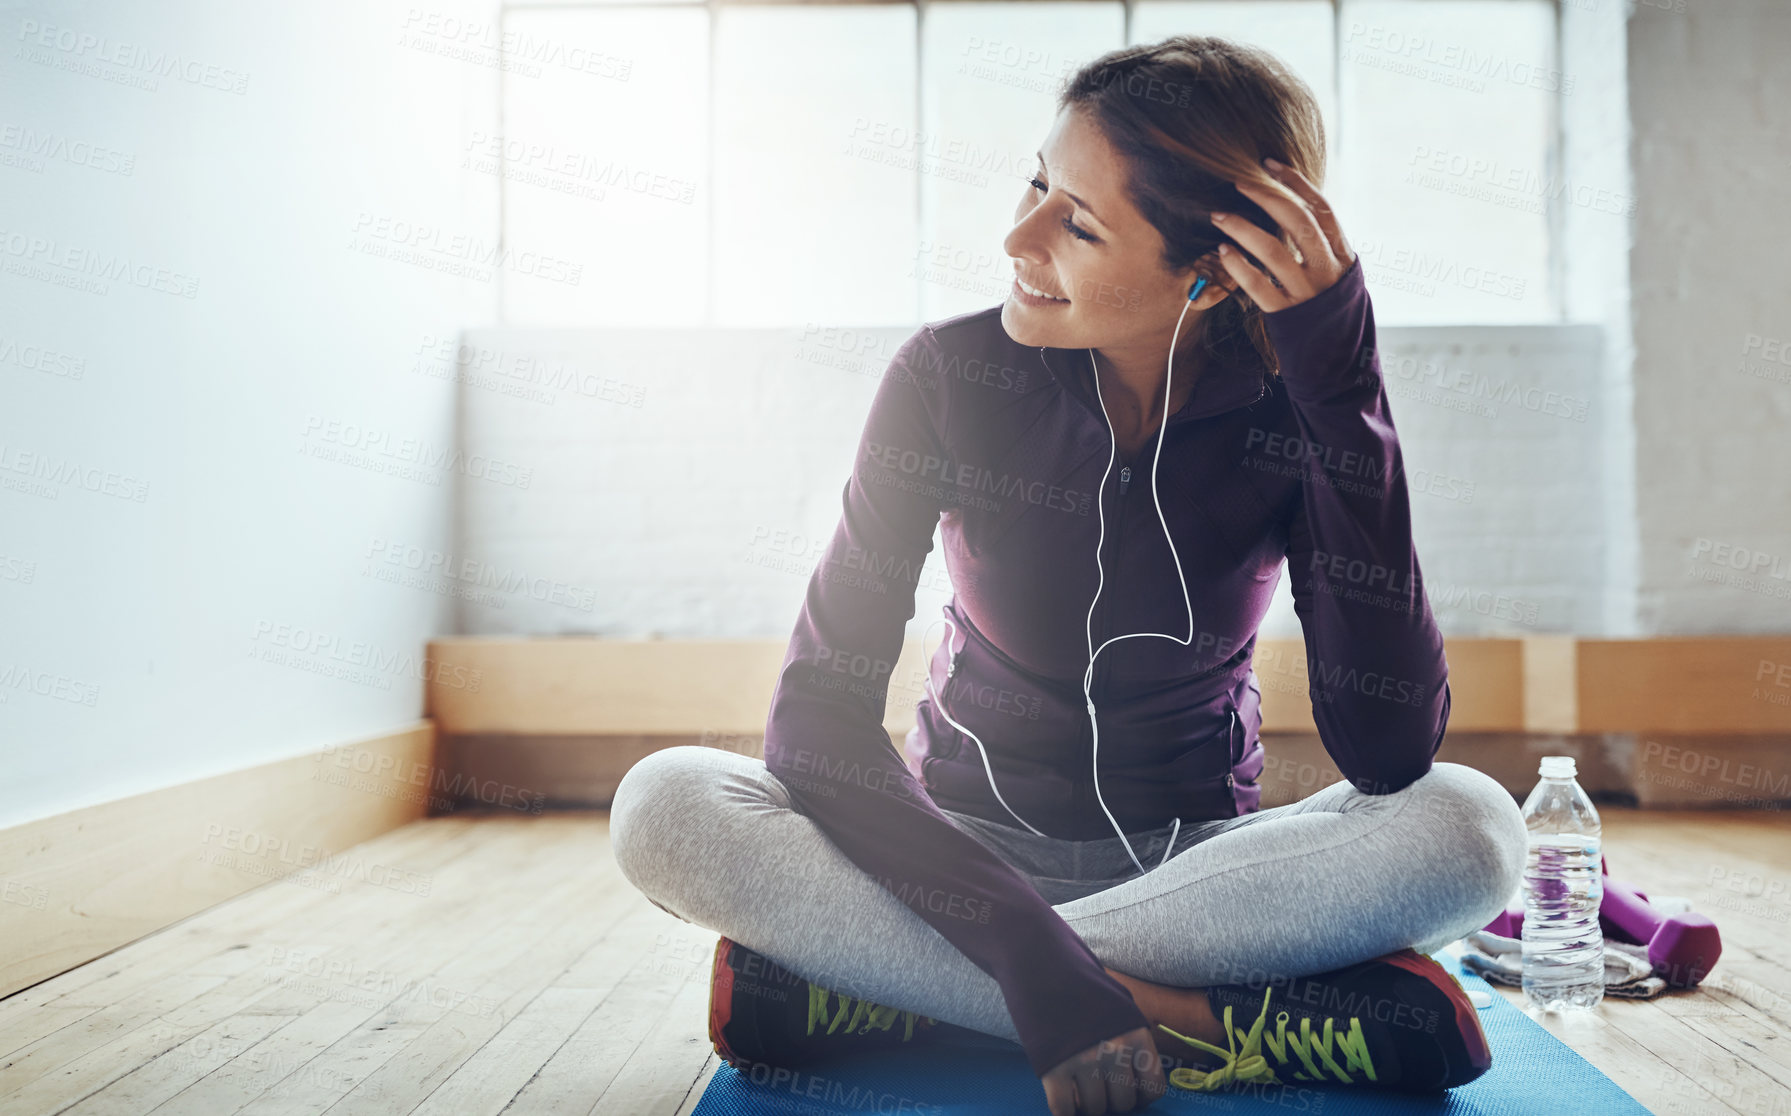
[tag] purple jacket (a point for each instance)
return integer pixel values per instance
(1006, 444)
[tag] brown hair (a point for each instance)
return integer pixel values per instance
(1188, 115)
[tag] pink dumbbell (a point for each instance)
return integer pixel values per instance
(1682, 947)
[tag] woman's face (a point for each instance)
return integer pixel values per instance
(1077, 237)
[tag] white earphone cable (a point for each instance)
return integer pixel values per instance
(1088, 675)
(1088, 627)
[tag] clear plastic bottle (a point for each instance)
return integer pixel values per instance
(1563, 887)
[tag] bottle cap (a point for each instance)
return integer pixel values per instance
(1558, 767)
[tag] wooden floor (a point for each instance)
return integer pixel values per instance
(509, 968)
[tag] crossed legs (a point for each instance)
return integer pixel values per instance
(711, 836)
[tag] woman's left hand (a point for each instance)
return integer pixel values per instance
(1303, 212)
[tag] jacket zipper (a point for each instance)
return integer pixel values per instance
(1231, 781)
(1097, 688)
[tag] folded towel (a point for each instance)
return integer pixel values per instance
(1627, 971)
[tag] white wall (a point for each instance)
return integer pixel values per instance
(1708, 86)
(164, 516)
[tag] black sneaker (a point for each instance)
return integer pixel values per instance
(761, 1012)
(1400, 1022)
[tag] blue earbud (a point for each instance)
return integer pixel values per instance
(1194, 291)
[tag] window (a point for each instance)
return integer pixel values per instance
(780, 164)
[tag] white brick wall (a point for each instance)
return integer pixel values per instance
(686, 485)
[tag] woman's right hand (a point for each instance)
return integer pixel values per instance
(1121, 1074)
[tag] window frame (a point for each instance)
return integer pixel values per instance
(1554, 143)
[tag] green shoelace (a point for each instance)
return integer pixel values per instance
(864, 1014)
(1245, 1063)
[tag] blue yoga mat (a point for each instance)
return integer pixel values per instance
(1532, 1072)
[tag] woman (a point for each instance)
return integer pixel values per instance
(1113, 910)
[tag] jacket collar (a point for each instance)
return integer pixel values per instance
(1212, 394)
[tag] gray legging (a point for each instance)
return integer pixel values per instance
(1339, 877)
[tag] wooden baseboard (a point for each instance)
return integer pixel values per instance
(1710, 685)
(568, 687)
(1667, 722)
(509, 773)
(80, 884)
(506, 771)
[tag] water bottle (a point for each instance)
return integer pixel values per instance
(1563, 887)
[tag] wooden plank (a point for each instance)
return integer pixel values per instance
(88, 1055)
(417, 1062)
(512, 971)
(214, 938)
(700, 1085)
(663, 1070)
(1743, 1035)
(1486, 684)
(112, 873)
(1717, 861)
(210, 939)
(524, 891)
(611, 686)
(496, 1072)
(182, 1004)
(283, 1054)
(1701, 685)
(318, 1024)
(635, 973)
(1549, 684)
(513, 1057)
(1698, 770)
(1611, 1050)
(571, 771)
(75, 1060)
(182, 1063)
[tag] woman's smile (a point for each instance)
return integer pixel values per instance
(1032, 296)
